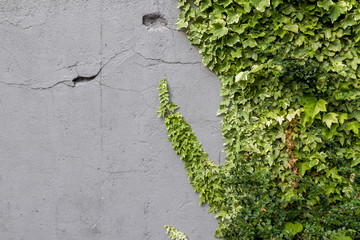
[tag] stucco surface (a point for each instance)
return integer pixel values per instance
(83, 154)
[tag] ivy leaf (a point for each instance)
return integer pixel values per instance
(242, 76)
(313, 106)
(335, 46)
(303, 167)
(233, 39)
(356, 114)
(343, 117)
(205, 4)
(218, 28)
(289, 9)
(335, 13)
(276, 3)
(338, 9)
(325, 4)
(218, 233)
(260, 5)
(313, 163)
(240, 29)
(180, 23)
(356, 161)
(206, 58)
(249, 43)
(292, 114)
(334, 174)
(321, 167)
(236, 53)
(292, 27)
(181, 3)
(353, 126)
(245, 4)
(225, 3)
(330, 118)
(348, 22)
(319, 106)
(233, 16)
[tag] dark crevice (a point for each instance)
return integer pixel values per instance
(82, 79)
(154, 20)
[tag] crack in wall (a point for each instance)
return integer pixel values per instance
(69, 83)
(164, 61)
(82, 79)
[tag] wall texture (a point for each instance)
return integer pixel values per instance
(82, 152)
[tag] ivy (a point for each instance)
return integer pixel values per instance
(289, 74)
(175, 234)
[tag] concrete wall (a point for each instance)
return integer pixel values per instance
(82, 152)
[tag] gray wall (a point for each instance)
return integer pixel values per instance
(82, 152)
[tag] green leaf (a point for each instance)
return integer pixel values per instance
(335, 13)
(276, 3)
(334, 174)
(240, 29)
(337, 9)
(289, 227)
(289, 9)
(298, 227)
(292, 229)
(356, 161)
(356, 114)
(320, 106)
(340, 236)
(292, 27)
(225, 3)
(260, 5)
(349, 21)
(233, 16)
(242, 76)
(174, 234)
(218, 28)
(313, 163)
(325, 4)
(233, 39)
(181, 23)
(353, 126)
(218, 233)
(303, 167)
(330, 118)
(205, 4)
(237, 53)
(249, 43)
(313, 106)
(343, 117)
(335, 46)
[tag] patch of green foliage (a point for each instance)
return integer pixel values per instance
(289, 73)
(175, 234)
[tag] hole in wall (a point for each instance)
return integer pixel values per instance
(154, 20)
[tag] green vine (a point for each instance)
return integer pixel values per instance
(289, 73)
(174, 233)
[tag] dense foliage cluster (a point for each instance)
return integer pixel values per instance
(289, 72)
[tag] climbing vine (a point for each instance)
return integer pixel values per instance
(289, 74)
(175, 234)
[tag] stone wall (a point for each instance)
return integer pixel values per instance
(82, 152)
